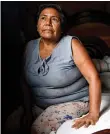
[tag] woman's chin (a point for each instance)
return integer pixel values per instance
(48, 36)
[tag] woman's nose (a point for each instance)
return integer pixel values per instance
(48, 21)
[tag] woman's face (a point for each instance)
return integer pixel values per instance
(49, 24)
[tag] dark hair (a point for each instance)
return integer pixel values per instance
(58, 8)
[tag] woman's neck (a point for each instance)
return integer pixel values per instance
(48, 43)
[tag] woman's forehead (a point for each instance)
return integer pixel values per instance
(50, 12)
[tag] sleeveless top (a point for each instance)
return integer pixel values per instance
(55, 79)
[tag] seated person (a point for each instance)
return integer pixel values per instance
(61, 77)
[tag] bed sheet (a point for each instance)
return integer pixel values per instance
(103, 123)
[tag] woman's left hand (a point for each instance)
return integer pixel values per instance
(89, 119)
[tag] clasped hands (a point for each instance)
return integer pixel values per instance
(89, 119)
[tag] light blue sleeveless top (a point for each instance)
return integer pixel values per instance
(55, 79)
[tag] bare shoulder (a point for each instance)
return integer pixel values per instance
(83, 60)
(78, 50)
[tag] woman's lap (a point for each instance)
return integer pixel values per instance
(52, 117)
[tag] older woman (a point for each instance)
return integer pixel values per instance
(61, 76)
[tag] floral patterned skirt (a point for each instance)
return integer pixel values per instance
(54, 116)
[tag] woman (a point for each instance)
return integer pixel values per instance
(61, 76)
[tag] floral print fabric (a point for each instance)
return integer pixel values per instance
(54, 116)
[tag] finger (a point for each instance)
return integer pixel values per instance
(80, 124)
(96, 120)
(87, 124)
(93, 122)
(75, 120)
(75, 124)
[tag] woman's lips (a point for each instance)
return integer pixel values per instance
(48, 30)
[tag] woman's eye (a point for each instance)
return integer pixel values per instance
(55, 19)
(42, 18)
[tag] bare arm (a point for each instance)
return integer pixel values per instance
(88, 70)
